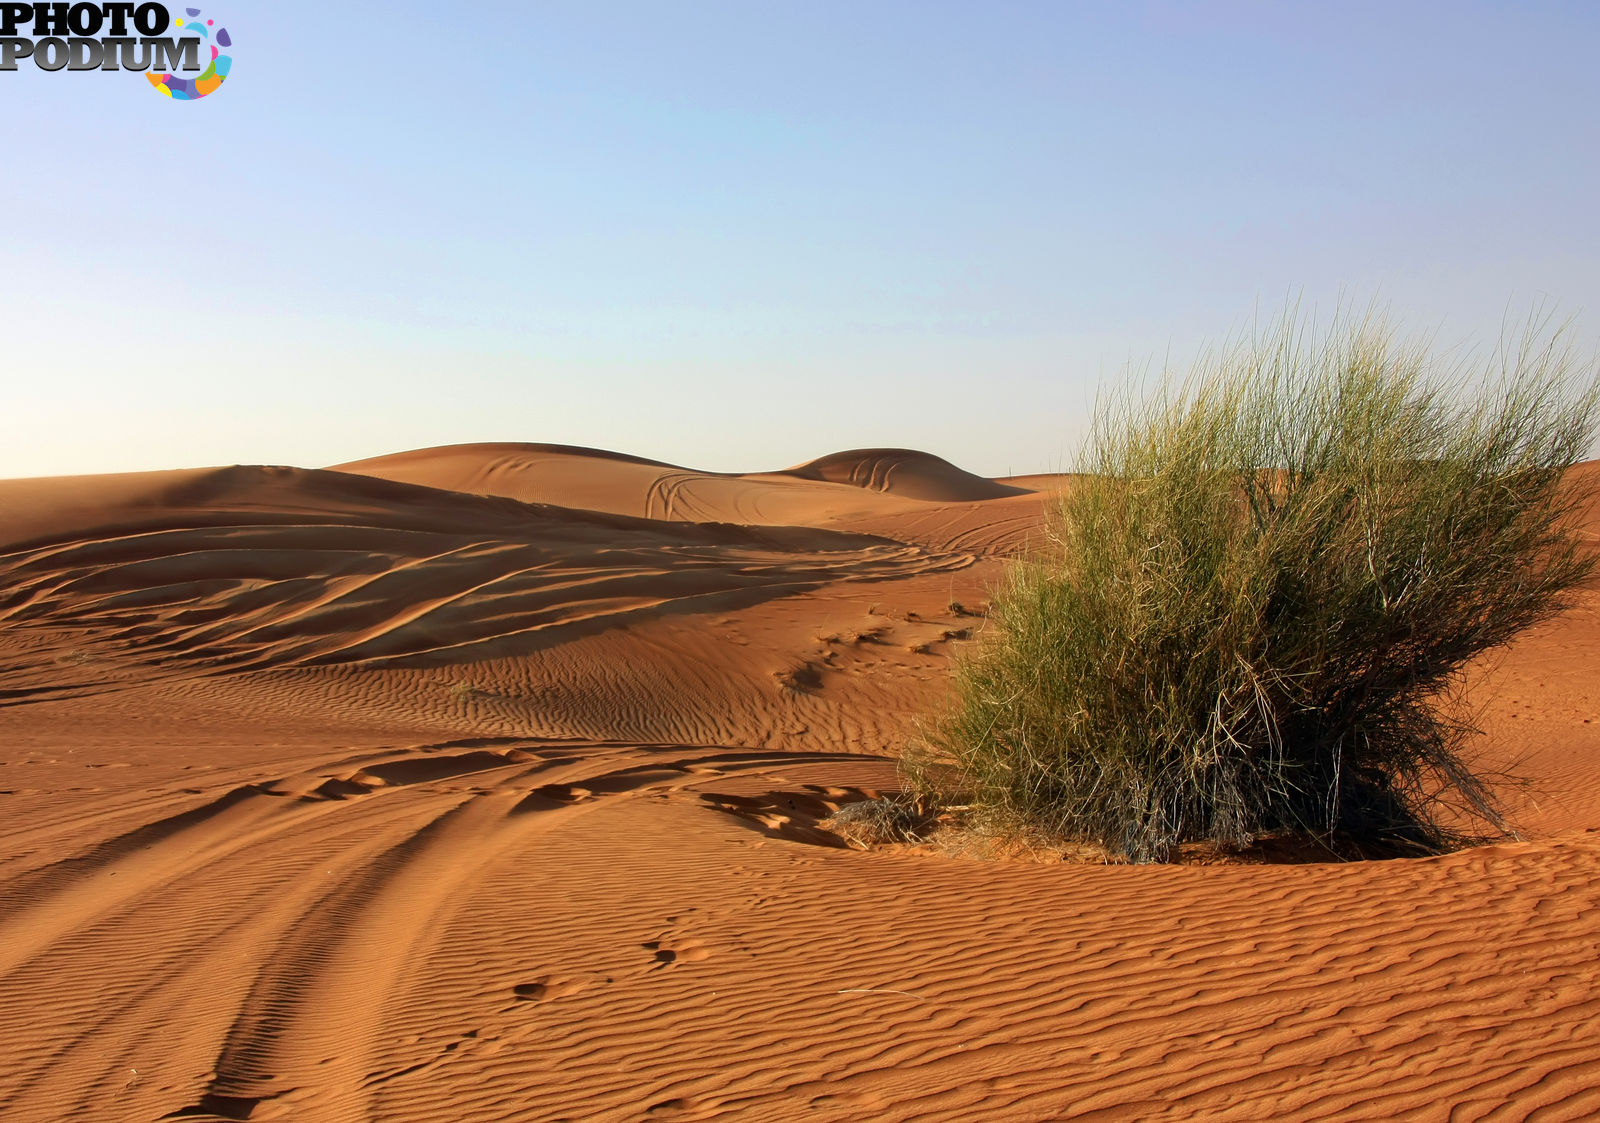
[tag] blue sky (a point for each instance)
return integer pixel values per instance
(737, 235)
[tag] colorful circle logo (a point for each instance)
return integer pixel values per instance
(192, 89)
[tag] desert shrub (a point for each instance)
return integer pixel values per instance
(1253, 611)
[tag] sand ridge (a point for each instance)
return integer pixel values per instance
(483, 783)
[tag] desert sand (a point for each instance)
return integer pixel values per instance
(483, 783)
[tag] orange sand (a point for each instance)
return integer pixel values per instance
(479, 783)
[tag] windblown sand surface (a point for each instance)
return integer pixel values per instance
(481, 783)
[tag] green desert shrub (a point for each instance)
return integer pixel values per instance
(1255, 606)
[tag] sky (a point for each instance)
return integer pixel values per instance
(739, 235)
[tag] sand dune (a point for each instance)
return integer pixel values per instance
(253, 568)
(896, 471)
(484, 783)
(843, 486)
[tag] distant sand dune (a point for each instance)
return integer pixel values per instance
(812, 494)
(485, 782)
(898, 471)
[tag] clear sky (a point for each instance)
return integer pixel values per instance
(737, 235)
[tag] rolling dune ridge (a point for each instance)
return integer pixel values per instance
(483, 783)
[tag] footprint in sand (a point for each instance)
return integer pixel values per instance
(547, 987)
(669, 951)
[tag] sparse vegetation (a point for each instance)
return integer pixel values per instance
(802, 678)
(1256, 607)
(878, 822)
